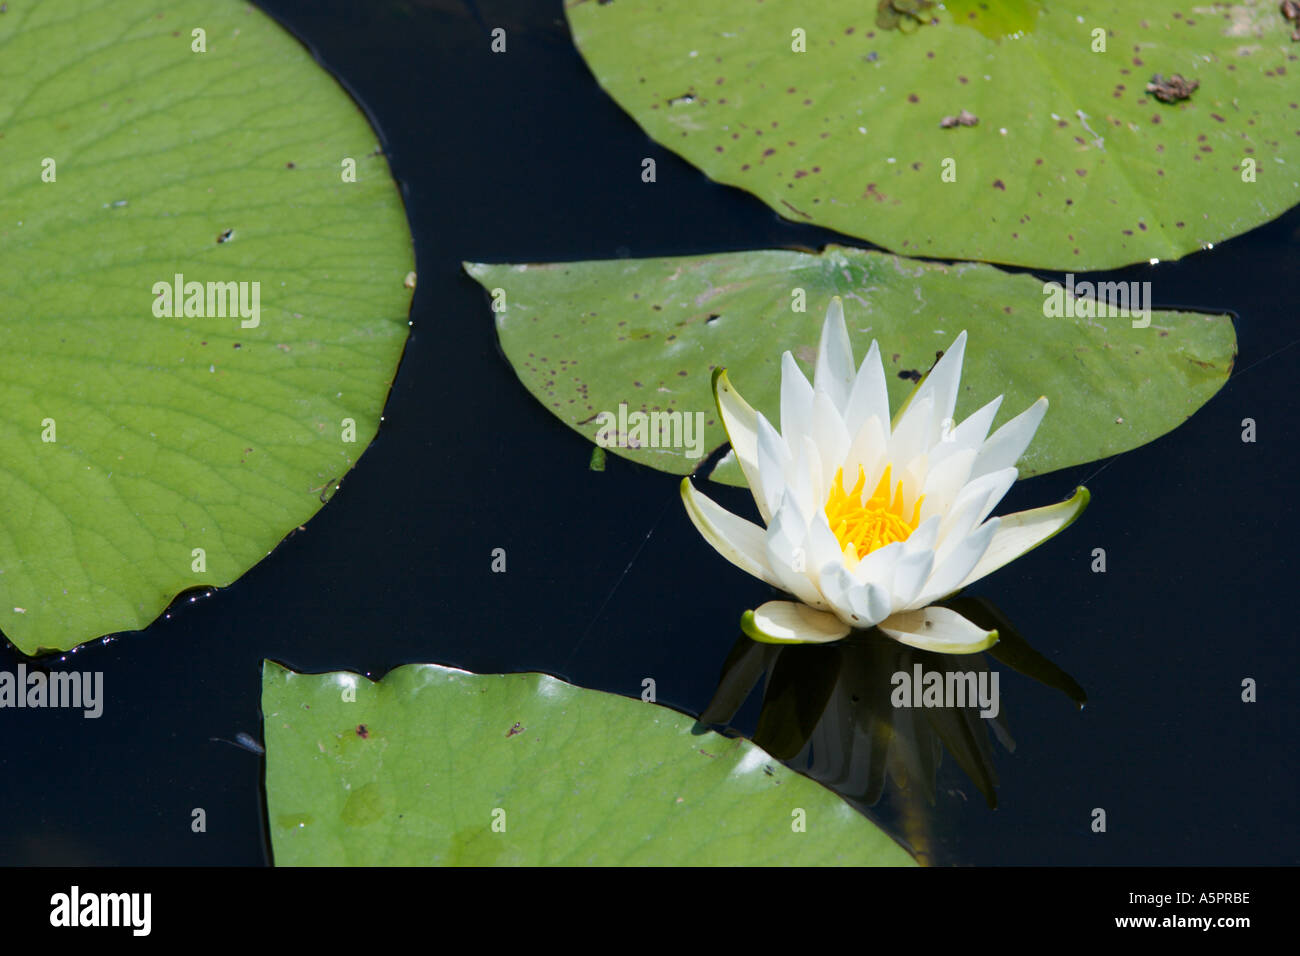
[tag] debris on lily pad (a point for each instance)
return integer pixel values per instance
(1291, 10)
(964, 118)
(1173, 89)
(903, 15)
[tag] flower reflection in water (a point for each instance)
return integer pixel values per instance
(845, 715)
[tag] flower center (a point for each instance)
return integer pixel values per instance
(864, 525)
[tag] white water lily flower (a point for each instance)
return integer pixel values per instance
(868, 522)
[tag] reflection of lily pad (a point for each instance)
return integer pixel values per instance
(587, 336)
(147, 454)
(438, 766)
(1073, 164)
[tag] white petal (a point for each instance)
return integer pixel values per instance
(867, 452)
(878, 566)
(784, 622)
(911, 434)
(834, 371)
(858, 605)
(869, 396)
(796, 401)
(925, 535)
(970, 434)
(938, 629)
(945, 481)
(913, 476)
(829, 434)
(910, 575)
(773, 465)
(973, 504)
(798, 475)
(951, 569)
(1008, 443)
(915, 563)
(740, 421)
(823, 547)
(835, 586)
(811, 482)
(787, 554)
(999, 483)
(741, 542)
(1024, 530)
(941, 383)
(871, 602)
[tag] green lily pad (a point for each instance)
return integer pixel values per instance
(147, 454)
(1062, 158)
(434, 765)
(586, 337)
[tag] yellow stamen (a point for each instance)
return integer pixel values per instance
(862, 526)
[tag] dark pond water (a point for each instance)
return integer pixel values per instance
(521, 157)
